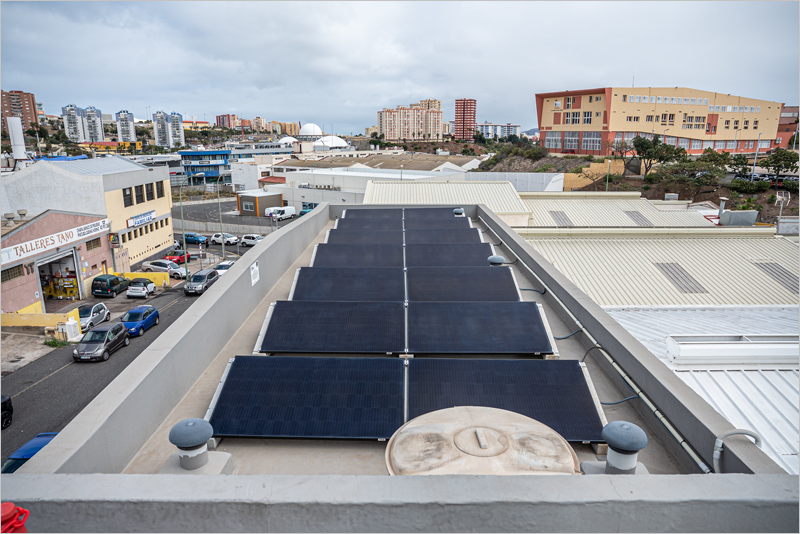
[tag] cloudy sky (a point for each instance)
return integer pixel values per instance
(337, 64)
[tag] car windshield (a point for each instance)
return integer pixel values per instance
(12, 464)
(85, 311)
(228, 236)
(95, 336)
(173, 265)
(222, 267)
(137, 283)
(199, 278)
(131, 317)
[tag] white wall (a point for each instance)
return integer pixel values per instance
(523, 181)
(43, 186)
(247, 174)
(295, 196)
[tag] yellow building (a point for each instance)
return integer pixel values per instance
(196, 125)
(111, 147)
(589, 121)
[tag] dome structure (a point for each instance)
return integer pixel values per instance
(287, 139)
(310, 129)
(328, 142)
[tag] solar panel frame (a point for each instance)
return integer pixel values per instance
(354, 284)
(314, 327)
(484, 328)
(450, 222)
(429, 213)
(469, 284)
(344, 237)
(554, 392)
(361, 254)
(448, 254)
(369, 213)
(299, 397)
(369, 225)
(439, 236)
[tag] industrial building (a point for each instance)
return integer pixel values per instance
(215, 165)
(590, 121)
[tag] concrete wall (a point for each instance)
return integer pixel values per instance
(37, 319)
(788, 226)
(295, 196)
(52, 187)
(208, 228)
(523, 181)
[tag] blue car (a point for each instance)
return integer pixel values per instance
(26, 452)
(139, 319)
(194, 238)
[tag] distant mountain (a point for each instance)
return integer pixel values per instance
(532, 131)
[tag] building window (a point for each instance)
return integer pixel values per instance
(139, 194)
(683, 143)
(552, 140)
(576, 117)
(124, 238)
(629, 119)
(680, 100)
(664, 117)
(708, 144)
(758, 109)
(763, 144)
(151, 226)
(658, 118)
(248, 206)
(11, 273)
(597, 99)
(689, 119)
(755, 125)
(648, 118)
(591, 141)
(127, 197)
(638, 98)
(587, 117)
(166, 221)
(149, 189)
(735, 125)
(778, 141)
(93, 244)
(659, 100)
(652, 100)
(591, 99)
(636, 119)
(672, 100)
(624, 98)
(160, 189)
(705, 101)
(671, 117)
(719, 145)
(732, 144)
(571, 140)
(597, 114)
(746, 123)
(568, 102)
(697, 144)
(146, 229)
(669, 140)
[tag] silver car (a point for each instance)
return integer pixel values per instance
(164, 266)
(91, 315)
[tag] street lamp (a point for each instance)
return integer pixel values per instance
(756, 158)
(219, 206)
(183, 229)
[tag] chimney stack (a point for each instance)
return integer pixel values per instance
(22, 214)
(722, 205)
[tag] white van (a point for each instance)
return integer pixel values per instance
(268, 211)
(287, 212)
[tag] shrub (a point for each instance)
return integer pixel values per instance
(55, 343)
(570, 157)
(588, 158)
(578, 169)
(791, 186)
(545, 168)
(652, 178)
(743, 186)
(645, 187)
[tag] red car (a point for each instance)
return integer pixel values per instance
(178, 256)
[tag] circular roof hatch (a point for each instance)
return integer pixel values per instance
(475, 440)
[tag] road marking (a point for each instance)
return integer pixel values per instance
(42, 380)
(170, 304)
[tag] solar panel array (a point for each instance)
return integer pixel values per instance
(401, 282)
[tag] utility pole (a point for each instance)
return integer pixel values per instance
(183, 229)
(756, 158)
(222, 234)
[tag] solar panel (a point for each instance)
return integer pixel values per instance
(369, 224)
(365, 255)
(463, 254)
(435, 236)
(389, 213)
(429, 213)
(554, 392)
(360, 284)
(335, 327)
(449, 222)
(461, 284)
(387, 237)
(476, 328)
(296, 397)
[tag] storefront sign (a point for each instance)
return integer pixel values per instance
(113, 240)
(141, 219)
(53, 241)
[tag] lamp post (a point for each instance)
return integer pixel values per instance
(756, 158)
(183, 229)
(222, 234)
(401, 173)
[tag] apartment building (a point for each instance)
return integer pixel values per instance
(126, 127)
(589, 121)
(226, 121)
(196, 125)
(789, 120)
(75, 125)
(20, 104)
(418, 121)
(94, 124)
(259, 124)
(168, 129)
(465, 118)
(491, 130)
(369, 130)
(246, 123)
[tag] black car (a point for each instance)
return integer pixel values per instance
(8, 411)
(98, 344)
(201, 281)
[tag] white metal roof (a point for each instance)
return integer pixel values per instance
(675, 270)
(99, 166)
(500, 197)
(613, 212)
(765, 400)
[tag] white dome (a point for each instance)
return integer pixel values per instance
(287, 139)
(310, 129)
(330, 141)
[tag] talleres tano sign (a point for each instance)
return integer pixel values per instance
(51, 242)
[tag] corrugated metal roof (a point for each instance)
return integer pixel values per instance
(613, 212)
(500, 197)
(99, 166)
(766, 401)
(624, 272)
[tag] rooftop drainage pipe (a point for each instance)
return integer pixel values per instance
(653, 408)
(721, 437)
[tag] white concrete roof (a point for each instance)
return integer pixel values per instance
(287, 139)
(330, 141)
(554, 211)
(310, 129)
(765, 400)
(500, 197)
(706, 270)
(98, 166)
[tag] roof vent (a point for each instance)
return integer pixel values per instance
(22, 214)
(625, 440)
(9, 218)
(458, 212)
(191, 437)
(496, 260)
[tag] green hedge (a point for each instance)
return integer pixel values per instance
(791, 185)
(743, 186)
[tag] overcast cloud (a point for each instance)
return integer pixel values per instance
(337, 64)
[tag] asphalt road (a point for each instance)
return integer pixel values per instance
(210, 213)
(49, 392)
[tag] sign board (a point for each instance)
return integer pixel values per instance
(52, 241)
(254, 273)
(141, 219)
(113, 241)
(557, 104)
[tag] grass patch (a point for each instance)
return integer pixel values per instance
(55, 343)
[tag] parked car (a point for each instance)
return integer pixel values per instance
(303, 212)
(217, 238)
(163, 266)
(287, 212)
(99, 343)
(178, 255)
(139, 319)
(109, 284)
(268, 211)
(223, 267)
(192, 237)
(141, 287)
(200, 282)
(8, 411)
(251, 240)
(92, 315)
(27, 451)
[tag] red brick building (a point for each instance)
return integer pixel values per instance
(19, 104)
(465, 118)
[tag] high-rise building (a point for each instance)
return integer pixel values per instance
(20, 104)
(465, 118)
(168, 129)
(420, 121)
(176, 130)
(75, 125)
(126, 129)
(259, 124)
(246, 123)
(593, 121)
(94, 124)
(226, 121)
(40, 112)
(491, 130)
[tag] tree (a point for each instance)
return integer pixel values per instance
(625, 150)
(652, 152)
(513, 138)
(691, 175)
(480, 138)
(720, 159)
(779, 161)
(740, 166)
